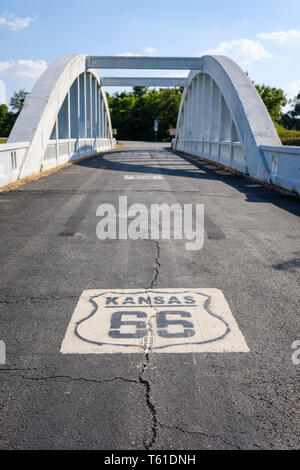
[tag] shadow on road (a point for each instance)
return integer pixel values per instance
(138, 161)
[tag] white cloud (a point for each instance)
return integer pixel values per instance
(14, 22)
(292, 89)
(150, 50)
(2, 92)
(179, 73)
(147, 50)
(23, 68)
(128, 54)
(282, 37)
(242, 51)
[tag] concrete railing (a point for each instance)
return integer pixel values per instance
(223, 119)
(283, 162)
(12, 157)
(65, 150)
(226, 153)
(65, 117)
(284, 166)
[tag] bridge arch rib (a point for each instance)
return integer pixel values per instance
(222, 118)
(66, 116)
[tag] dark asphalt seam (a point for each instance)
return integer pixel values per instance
(134, 190)
(79, 379)
(213, 231)
(35, 299)
(146, 384)
(141, 381)
(74, 222)
(27, 369)
(199, 433)
(156, 266)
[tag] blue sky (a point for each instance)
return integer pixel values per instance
(262, 36)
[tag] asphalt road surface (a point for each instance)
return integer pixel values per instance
(148, 400)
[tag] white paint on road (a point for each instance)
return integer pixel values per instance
(143, 177)
(157, 320)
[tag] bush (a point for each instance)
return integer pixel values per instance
(287, 136)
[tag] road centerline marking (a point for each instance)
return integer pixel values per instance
(143, 177)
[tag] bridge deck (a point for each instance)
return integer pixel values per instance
(50, 255)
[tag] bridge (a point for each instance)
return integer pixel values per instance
(137, 342)
(221, 118)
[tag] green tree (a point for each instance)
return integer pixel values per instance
(18, 99)
(274, 100)
(291, 120)
(133, 113)
(140, 91)
(7, 120)
(3, 116)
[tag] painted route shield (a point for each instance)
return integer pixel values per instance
(158, 320)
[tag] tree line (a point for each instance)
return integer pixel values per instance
(8, 118)
(133, 113)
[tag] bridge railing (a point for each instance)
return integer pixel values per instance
(284, 166)
(66, 117)
(227, 153)
(223, 119)
(12, 157)
(65, 150)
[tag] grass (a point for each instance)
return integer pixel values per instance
(287, 136)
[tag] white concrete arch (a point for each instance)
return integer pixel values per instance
(222, 118)
(36, 123)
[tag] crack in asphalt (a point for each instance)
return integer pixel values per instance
(35, 299)
(199, 433)
(157, 264)
(11, 369)
(79, 379)
(154, 422)
(148, 443)
(147, 349)
(141, 381)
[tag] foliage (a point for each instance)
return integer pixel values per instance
(274, 100)
(8, 118)
(133, 113)
(18, 99)
(291, 120)
(287, 136)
